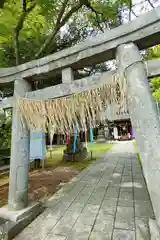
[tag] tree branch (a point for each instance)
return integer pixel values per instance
(70, 13)
(60, 23)
(18, 28)
(98, 23)
(2, 2)
(56, 47)
(61, 12)
(130, 9)
(151, 4)
(89, 6)
(24, 5)
(134, 13)
(23, 16)
(57, 28)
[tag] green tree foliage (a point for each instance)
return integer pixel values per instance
(153, 53)
(155, 86)
(5, 131)
(33, 29)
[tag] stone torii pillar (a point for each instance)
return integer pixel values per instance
(144, 118)
(18, 210)
(19, 164)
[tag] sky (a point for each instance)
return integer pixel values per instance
(140, 7)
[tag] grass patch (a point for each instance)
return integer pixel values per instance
(137, 153)
(57, 156)
(98, 148)
(43, 183)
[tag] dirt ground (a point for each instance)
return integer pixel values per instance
(42, 183)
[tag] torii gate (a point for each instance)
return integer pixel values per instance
(124, 43)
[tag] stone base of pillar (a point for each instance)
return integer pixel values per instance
(18, 220)
(154, 229)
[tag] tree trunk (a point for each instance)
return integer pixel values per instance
(80, 153)
(16, 47)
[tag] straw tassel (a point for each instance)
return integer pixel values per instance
(80, 109)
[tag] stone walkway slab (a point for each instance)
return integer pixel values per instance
(107, 201)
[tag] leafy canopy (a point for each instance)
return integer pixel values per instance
(33, 29)
(153, 53)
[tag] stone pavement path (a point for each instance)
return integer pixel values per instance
(108, 200)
